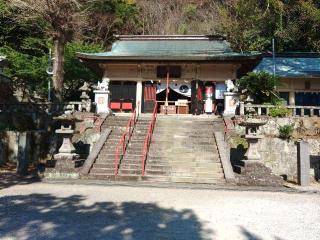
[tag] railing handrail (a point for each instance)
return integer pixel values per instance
(125, 138)
(277, 106)
(295, 110)
(148, 138)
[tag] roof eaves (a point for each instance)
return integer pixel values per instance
(170, 37)
(221, 57)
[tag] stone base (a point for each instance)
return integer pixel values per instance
(255, 173)
(65, 167)
(61, 175)
(66, 157)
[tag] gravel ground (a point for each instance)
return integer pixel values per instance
(60, 211)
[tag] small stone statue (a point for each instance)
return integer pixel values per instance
(85, 99)
(104, 85)
(231, 87)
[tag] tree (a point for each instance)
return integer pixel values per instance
(63, 19)
(109, 17)
(177, 16)
(249, 24)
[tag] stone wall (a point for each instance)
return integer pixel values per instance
(35, 147)
(281, 155)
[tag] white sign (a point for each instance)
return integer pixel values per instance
(221, 88)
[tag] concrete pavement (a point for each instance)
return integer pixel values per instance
(64, 211)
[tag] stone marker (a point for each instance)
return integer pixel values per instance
(303, 163)
(23, 159)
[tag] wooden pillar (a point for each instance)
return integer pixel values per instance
(139, 96)
(292, 98)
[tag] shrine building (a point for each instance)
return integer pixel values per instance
(184, 74)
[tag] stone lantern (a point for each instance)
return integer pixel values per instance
(66, 159)
(253, 170)
(85, 99)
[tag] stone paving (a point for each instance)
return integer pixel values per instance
(75, 211)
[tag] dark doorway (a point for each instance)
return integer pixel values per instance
(123, 91)
(197, 88)
(149, 97)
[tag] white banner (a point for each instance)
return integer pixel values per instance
(181, 88)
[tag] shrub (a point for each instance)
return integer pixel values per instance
(286, 131)
(279, 112)
(261, 86)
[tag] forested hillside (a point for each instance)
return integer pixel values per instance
(28, 28)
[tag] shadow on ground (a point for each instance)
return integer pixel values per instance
(9, 179)
(43, 216)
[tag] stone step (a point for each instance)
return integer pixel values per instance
(128, 166)
(108, 171)
(133, 155)
(104, 160)
(129, 172)
(104, 165)
(190, 164)
(157, 167)
(197, 180)
(158, 172)
(107, 153)
(136, 161)
(99, 176)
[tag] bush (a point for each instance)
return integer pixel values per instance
(286, 131)
(279, 112)
(261, 86)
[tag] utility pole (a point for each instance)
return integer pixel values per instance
(274, 56)
(50, 73)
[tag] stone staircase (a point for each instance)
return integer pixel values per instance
(130, 167)
(184, 150)
(103, 168)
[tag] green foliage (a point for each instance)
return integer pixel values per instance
(280, 112)
(286, 131)
(6, 127)
(111, 17)
(250, 24)
(261, 86)
(75, 72)
(26, 71)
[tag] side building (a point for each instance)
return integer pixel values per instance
(300, 76)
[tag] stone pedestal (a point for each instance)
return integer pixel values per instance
(303, 164)
(253, 152)
(102, 101)
(231, 101)
(66, 159)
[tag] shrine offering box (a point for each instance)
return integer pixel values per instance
(182, 106)
(171, 109)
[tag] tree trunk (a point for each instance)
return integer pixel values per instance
(58, 69)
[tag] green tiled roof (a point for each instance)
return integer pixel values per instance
(169, 48)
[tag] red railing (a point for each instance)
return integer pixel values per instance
(125, 138)
(148, 138)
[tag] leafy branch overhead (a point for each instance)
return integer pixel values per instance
(28, 28)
